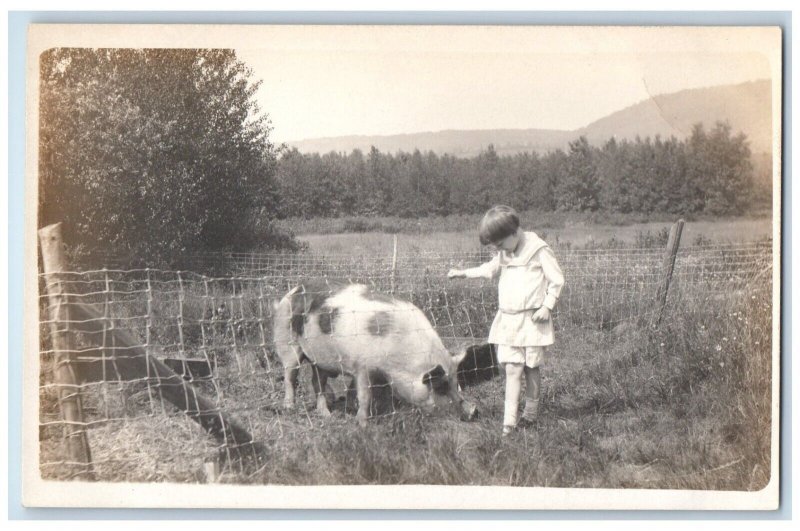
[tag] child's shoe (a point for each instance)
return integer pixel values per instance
(531, 412)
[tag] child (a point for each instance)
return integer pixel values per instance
(529, 286)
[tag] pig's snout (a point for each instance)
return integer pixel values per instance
(468, 410)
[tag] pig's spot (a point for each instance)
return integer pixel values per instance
(311, 296)
(380, 323)
(326, 319)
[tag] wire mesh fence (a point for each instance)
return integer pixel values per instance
(216, 333)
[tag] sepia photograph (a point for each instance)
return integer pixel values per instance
(403, 266)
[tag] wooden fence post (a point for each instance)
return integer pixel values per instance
(64, 369)
(394, 265)
(669, 265)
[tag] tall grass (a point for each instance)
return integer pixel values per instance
(620, 409)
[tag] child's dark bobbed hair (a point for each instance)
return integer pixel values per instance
(498, 223)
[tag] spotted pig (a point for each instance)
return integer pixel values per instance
(350, 329)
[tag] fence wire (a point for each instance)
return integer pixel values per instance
(217, 333)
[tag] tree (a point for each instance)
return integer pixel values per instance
(615, 176)
(292, 170)
(436, 188)
(720, 166)
(677, 193)
(486, 178)
(378, 187)
(579, 190)
(155, 152)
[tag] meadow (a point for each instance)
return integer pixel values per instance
(460, 235)
(627, 402)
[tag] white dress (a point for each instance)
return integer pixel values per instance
(529, 279)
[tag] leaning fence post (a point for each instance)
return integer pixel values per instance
(64, 367)
(669, 265)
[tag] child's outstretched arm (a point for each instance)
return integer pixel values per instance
(555, 281)
(487, 270)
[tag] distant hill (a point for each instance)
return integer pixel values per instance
(746, 106)
(454, 142)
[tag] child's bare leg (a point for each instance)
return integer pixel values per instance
(513, 388)
(533, 387)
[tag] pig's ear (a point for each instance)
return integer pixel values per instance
(457, 347)
(300, 300)
(276, 302)
(459, 355)
(477, 363)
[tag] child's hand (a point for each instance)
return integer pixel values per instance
(542, 314)
(455, 273)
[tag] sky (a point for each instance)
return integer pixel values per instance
(335, 81)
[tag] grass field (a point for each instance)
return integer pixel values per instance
(686, 405)
(577, 234)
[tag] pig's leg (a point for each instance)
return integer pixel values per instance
(291, 367)
(364, 396)
(290, 382)
(320, 380)
(350, 396)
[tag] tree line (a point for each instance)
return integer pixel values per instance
(158, 153)
(709, 172)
